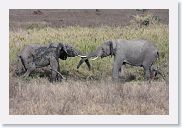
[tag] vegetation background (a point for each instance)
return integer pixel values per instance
(88, 92)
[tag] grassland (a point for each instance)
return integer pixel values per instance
(89, 92)
(103, 97)
(87, 39)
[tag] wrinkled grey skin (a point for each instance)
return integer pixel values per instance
(141, 53)
(36, 56)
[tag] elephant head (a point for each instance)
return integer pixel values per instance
(62, 51)
(104, 50)
(72, 52)
(66, 50)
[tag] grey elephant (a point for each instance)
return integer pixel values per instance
(141, 53)
(36, 56)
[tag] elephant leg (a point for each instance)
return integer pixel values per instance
(59, 78)
(147, 72)
(28, 63)
(28, 72)
(121, 73)
(30, 67)
(54, 66)
(117, 67)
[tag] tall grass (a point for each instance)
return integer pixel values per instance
(40, 97)
(86, 39)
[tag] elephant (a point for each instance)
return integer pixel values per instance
(139, 52)
(35, 56)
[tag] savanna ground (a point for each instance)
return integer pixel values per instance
(88, 92)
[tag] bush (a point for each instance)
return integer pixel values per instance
(144, 20)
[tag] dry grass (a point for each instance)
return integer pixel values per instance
(71, 97)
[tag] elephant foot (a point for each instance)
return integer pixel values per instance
(119, 79)
(59, 79)
(130, 78)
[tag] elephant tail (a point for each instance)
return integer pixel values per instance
(22, 62)
(155, 72)
(158, 71)
(157, 54)
(157, 58)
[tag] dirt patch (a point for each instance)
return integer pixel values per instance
(19, 18)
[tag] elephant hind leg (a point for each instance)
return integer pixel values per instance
(117, 68)
(30, 67)
(29, 70)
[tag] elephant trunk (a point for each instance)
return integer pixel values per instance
(94, 54)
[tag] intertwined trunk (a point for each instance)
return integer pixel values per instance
(85, 59)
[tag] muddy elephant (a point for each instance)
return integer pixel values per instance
(36, 56)
(141, 53)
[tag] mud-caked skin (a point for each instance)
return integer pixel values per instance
(36, 56)
(141, 53)
(44, 56)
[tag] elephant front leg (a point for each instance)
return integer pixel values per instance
(59, 77)
(54, 66)
(121, 72)
(116, 69)
(147, 72)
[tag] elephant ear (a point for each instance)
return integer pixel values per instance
(111, 48)
(62, 51)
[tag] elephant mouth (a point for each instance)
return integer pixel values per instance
(64, 57)
(103, 55)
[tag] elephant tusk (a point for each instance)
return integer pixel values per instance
(94, 58)
(82, 56)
